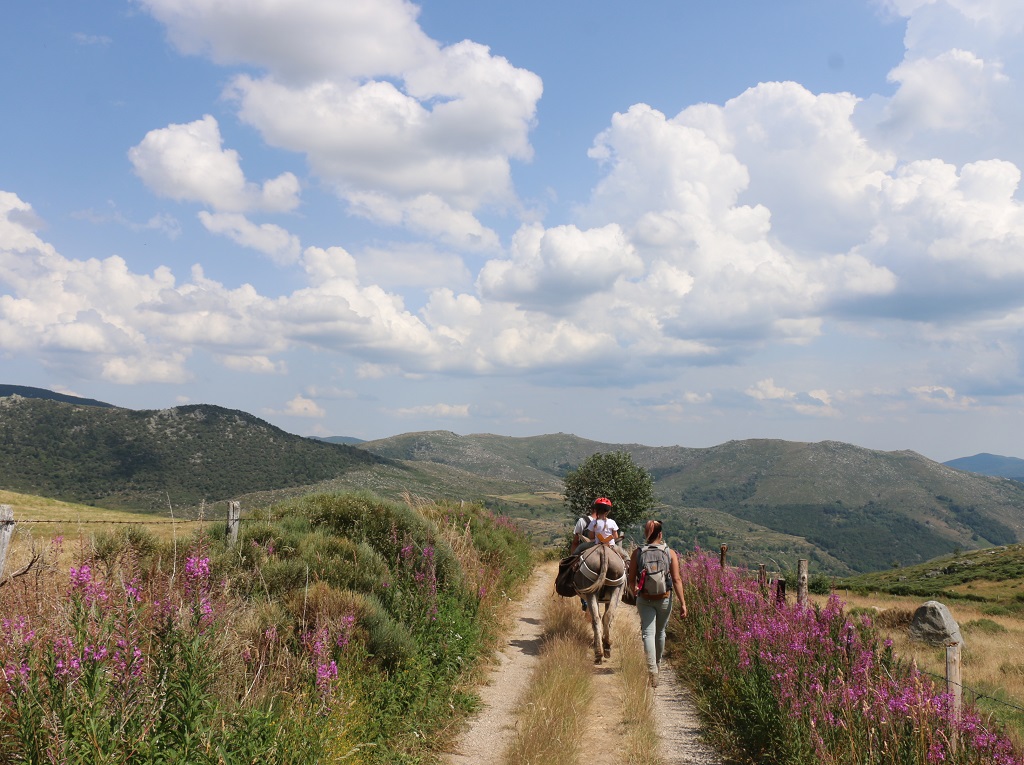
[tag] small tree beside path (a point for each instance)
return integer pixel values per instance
(613, 475)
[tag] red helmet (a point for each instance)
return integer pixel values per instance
(602, 502)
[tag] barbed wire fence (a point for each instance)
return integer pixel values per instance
(952, 679)
(8, 523)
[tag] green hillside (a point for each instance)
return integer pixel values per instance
(859, 509)
(144, 459)
(845, 508)
(49, 395)
(993, 575)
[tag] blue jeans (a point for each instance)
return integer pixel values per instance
(653, 621)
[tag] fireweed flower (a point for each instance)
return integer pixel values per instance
(824, 680)
(325, 673)
(91, 590)
(197, 587)
(347, 626)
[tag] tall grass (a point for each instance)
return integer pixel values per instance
(341, 628)
(640, 744)
(993, 657)
(130, 669)
(552, 716)
(803, 685)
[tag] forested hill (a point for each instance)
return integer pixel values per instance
(49, 395)
(147, 458)
(865, 508)
(848, 508)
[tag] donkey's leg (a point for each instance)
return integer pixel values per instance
(594, 608)
(609, 618)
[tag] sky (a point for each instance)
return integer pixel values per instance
(664, 222)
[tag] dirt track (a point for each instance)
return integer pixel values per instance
(491, 731)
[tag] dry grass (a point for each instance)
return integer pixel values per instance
(993, 654)
(77, 525)
(552, 717)
(640, 743)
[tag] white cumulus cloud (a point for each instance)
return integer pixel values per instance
(407, 131)
(189, 163)
(272, 240)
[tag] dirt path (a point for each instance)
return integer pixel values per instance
(491, 731)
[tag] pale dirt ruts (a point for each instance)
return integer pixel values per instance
(490, 731)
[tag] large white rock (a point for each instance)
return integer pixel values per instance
(933, 624)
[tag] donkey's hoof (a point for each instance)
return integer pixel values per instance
(598, 659)
(607, 653)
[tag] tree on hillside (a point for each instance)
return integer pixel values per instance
(613, 475)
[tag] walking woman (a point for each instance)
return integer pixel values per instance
(654, 576)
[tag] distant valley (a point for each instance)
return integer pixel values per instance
(846, 508)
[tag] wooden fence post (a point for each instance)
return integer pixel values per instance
(762, 579)
(721, 556)
(234, 514)
(780, 591)
(6, 532)
(801, 582)
(954, 687)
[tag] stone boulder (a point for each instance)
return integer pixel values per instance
(933, 624)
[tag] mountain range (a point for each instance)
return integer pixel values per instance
(847, 508)
(991, 464)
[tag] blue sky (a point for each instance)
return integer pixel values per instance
(658, 222)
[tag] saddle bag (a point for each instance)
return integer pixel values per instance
(563, 579)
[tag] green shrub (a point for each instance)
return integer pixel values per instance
(986, 626)
(996, 610)
(110, 547)
(282, 576)
(387, 640)
(819, 584)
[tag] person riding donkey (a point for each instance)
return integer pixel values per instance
(580, 537)
(596, 573)
(602, 529)
(595, 528)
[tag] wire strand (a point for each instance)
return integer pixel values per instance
(977, 694)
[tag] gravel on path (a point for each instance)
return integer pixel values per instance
(491, 730)
(679, 725)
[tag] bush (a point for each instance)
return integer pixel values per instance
(819, 584)
(894, 618)
(986, 626)
(246, 651)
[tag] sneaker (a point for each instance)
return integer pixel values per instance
(652, 679)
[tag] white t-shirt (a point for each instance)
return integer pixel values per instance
(605, 530)
(580, 529)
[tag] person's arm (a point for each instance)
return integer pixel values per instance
(631, 572)
(677, 583)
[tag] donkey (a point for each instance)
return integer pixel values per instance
(599, 578)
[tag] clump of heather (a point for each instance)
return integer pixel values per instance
(803, 684)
